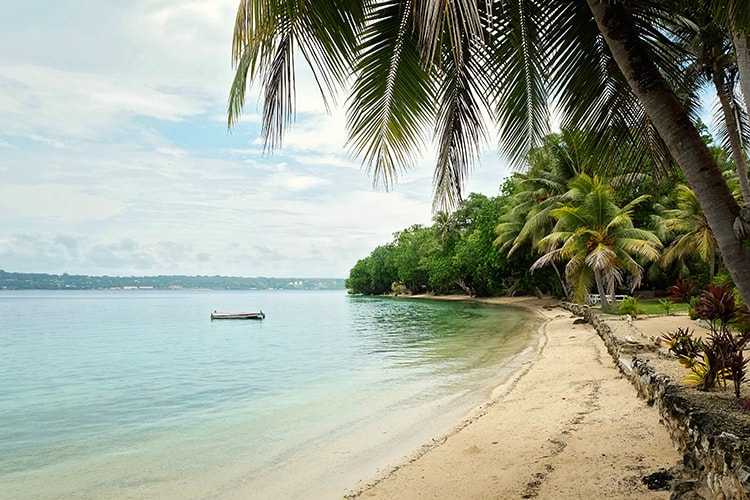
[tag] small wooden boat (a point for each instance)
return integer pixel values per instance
(238, 315)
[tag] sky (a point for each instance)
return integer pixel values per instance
(115, 158)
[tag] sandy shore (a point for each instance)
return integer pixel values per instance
(568, 426)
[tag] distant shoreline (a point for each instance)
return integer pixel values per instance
(41, 281)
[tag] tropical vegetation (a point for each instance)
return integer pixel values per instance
(556, 230)
(628, 75)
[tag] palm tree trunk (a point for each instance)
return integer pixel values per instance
(735, 142)
(712, 266)
(613, 294)
(678, 132)
(742, 51)
(600, 289)
(566, 291)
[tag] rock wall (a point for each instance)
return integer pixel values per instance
(709, 428)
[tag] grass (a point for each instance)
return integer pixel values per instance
(652, 306)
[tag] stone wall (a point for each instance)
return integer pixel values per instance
(709, 428)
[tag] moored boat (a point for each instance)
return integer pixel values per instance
(238, 315)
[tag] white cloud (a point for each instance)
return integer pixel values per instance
(116, 157)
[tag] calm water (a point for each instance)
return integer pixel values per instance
(138, 394)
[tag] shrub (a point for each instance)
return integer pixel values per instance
(630, 306)
(691, 310)
(717, 305)
(683, 345)
(666, 305)
(721, 356)
(682, 291)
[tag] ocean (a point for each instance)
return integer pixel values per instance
(139, 394)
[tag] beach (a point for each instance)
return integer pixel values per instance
(566, 425)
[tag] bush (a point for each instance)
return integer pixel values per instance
(691, 311)
(630, 306)
(666, 305)
(724, 352)
(682, 291)
(720, 357)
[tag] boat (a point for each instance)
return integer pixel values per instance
(238, 315)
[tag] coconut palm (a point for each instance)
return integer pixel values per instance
(443, 66)
(711, 60)
(535, 193)
(735, 16)
(597, 241)
(693, 236)
(445, 227)
(542, 189)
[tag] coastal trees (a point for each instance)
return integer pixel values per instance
(540, 190)
(597, 241)
(373, 275)
(675, 127)
(465, 259)
(416, 66)
(711, 60)
(692, 235)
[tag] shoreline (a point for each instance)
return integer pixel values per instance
(565, 424)
(505, 377)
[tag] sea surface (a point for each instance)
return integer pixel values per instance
(138, 394)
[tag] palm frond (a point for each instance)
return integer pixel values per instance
(460, 128)
(392, 96)
(580, 277)
(516, 54)
(461, 19)
(267, 35)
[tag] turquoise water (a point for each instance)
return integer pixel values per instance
(138, 394)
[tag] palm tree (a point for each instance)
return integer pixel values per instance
(735, 16)
(417, 65)
(445, 227)
(539, 191)
(597, 240)
(711, 60)
(693, 236)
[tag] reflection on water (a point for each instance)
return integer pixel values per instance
(140, 394)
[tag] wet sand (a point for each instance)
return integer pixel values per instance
(567, 425)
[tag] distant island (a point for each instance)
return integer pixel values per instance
(65, 281)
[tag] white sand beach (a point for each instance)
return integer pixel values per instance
(568, 425)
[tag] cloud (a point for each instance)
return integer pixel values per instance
(117, 160)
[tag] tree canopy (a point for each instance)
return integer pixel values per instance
(411, 69)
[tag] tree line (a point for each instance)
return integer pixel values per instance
(629, 75)
(65, 281)
(560, 228)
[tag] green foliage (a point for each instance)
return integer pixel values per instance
(682, 344)
(456, 253)
(597, 240)
(690, 238)
(723, 278)
(691, 310)
(576, 231)
(666, 305)
(374, 274)
(721, 357)
(630, 306)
